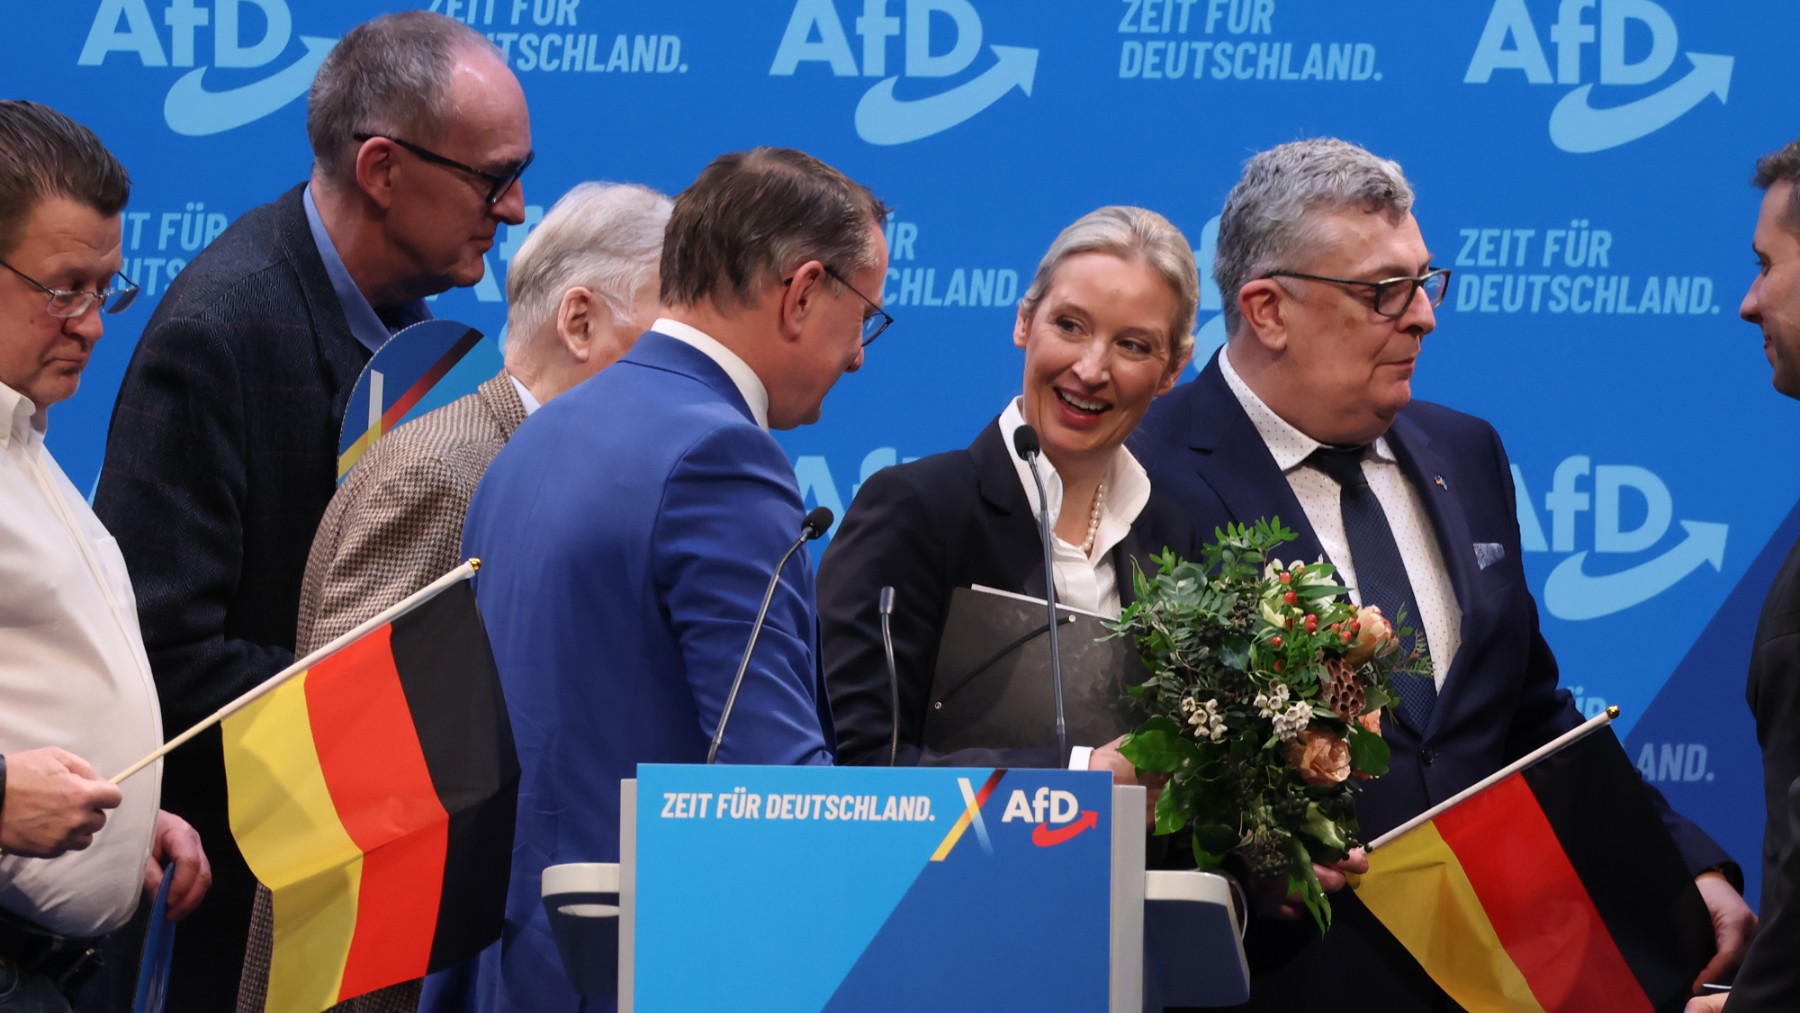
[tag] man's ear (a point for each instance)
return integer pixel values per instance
(1263, 304)
(801, 297)
(580, 319)
(377, 171)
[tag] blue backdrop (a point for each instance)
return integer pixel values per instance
(1581, 164)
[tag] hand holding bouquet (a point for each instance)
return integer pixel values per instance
(1264, 705)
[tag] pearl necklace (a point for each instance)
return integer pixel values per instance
(1093, 531)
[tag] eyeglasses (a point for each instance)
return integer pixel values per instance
(67, 304)
(873, 324)
(497, 184)
(878, 318)
(1392, 295)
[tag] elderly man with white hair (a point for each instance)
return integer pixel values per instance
(580, 291)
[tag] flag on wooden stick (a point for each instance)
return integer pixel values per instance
(1552, 886)
(373, 793)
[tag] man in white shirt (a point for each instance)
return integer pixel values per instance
(74, 679)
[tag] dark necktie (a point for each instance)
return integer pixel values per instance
(1380, 572)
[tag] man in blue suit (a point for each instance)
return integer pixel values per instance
(1307, 415)
(628, 530)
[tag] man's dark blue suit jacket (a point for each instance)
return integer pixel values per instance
(1499, 699)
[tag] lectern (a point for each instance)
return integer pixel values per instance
(792, 888)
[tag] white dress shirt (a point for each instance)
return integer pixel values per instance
(525, 398)
(73, 674)
(1090, 583)
(1439, 615)
(748, 383)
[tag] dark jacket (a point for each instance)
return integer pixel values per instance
(1499, 699)
(927, 528)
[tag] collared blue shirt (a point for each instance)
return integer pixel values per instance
(364, 323)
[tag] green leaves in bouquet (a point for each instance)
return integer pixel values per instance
(1158, 746)
(1261, 677)
(1369, 752)
(1303, 880)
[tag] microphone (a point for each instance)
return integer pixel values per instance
(887, 644)
(1025, 441)
(815, 525)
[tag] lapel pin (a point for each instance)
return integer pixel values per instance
(1440, 483)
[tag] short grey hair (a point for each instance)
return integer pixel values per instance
(1134, 235)
(389, 75)
(1271, 219)
(1782, 166)
(605, 236)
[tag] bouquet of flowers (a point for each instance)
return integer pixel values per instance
(1264, 704)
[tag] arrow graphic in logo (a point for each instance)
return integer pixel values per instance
(1577, 127)
(1570, 593)
(883, 119)
(192, 110)
(1044, 837)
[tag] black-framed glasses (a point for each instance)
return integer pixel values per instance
(67, 304)
(873, 324)
(878, 318)
(1392, 295)
(497, 184)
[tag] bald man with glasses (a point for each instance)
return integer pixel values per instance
(223, 449)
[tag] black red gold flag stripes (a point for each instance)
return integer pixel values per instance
(374, 795)
(1554, 889)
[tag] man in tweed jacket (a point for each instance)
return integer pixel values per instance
(223, 447)
(579, 292)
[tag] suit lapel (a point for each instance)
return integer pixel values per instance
(343, 356)
(1426, 469)
(1012, 530)
(1229, 455)
(501, 401)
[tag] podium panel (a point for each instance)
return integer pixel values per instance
(848, 889)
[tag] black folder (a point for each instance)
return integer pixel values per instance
(993, 689)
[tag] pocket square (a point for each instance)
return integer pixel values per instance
(1489, 553)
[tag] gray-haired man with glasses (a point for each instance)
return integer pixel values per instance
(222, 454)
(1307, 415)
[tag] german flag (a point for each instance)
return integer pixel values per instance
(1554, 889)
(373, 794)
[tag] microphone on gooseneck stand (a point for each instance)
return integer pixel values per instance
(887, 644)
(816, 524)
(1025, 441)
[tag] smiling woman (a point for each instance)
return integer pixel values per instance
(1106, 326)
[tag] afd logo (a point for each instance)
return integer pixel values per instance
(246, 34)
(1511, 41)
(1057, 813)
(815, 34)
(1631, 511)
